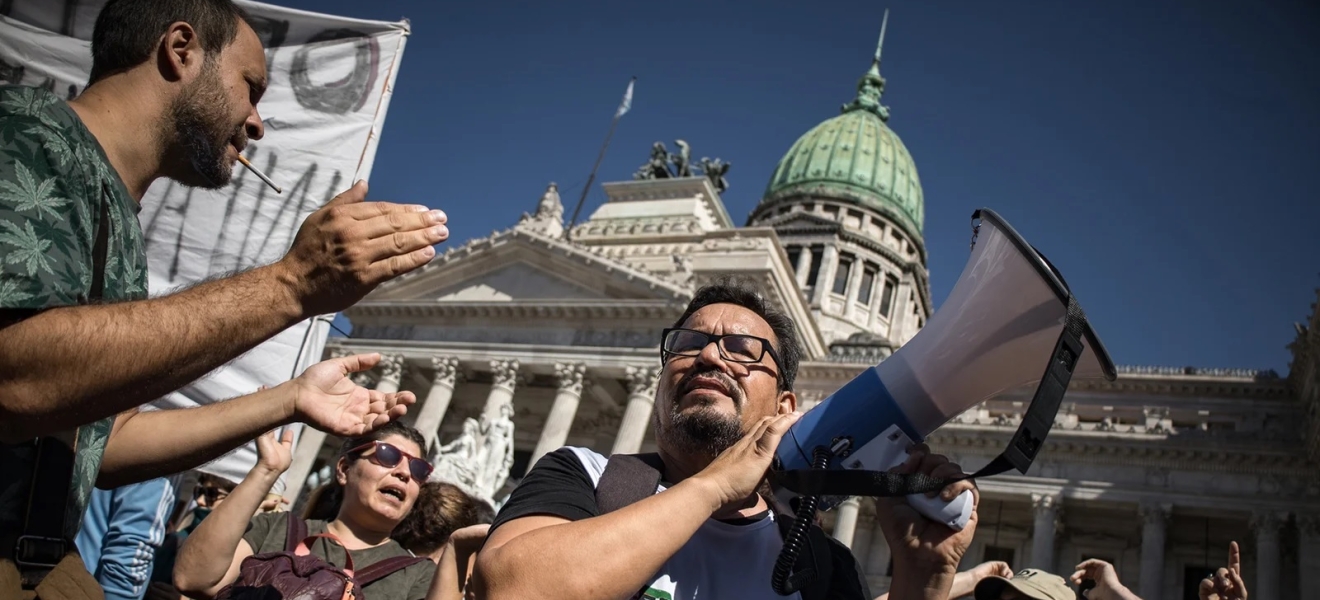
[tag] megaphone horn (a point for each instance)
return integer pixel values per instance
(1010, 321)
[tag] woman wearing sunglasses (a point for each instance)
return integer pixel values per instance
(380, 475)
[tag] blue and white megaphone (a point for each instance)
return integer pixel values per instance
(1010, 321)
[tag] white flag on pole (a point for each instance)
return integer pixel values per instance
(627, 99)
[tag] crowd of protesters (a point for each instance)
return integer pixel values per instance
(173, 93)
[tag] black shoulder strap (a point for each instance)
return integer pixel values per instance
(43, 543)
(1021, 451)
(100, 254)
(628, 478)
(382, 568)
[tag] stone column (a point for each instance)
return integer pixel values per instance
(1266, 525)
(825, 276)
(505, 373)
(803, 266)
(861, 543)
(1308, 553)
(391, 373)
(641, 399)
(1154, 521)
(1047, 508)
(877, 558)
(432, 411)
(560, 420)
(845, 523)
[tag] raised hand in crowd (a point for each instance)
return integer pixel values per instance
(225, 526)
(326, 398)
(1107, 584)
(925, 553)
(1226, 583)
(964, 583)
(151, 444)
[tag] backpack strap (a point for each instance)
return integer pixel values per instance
(43, 544)
(295, 533)
(628, 478)
(381, 569)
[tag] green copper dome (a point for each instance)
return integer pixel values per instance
(855, 157)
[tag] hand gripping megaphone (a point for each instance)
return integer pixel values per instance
(1010, 321)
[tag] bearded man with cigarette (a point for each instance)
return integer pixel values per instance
(172, 93)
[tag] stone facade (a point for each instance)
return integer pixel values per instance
(1155, 472)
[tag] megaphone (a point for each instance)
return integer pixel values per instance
(1009, 322)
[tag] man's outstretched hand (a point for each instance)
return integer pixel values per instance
(325, 398)
(350, 246)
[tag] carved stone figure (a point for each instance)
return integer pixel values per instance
(495, 457)
(456, 462)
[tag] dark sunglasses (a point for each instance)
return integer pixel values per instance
(388, 456)
(211, 494)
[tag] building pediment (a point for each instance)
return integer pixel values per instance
(521, 266)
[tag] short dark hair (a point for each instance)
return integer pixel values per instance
(127, 31)
(441, 509)
(382, 432)
(734, 291)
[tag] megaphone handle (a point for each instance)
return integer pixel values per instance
(955, 514)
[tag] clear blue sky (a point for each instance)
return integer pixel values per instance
(1165, 156)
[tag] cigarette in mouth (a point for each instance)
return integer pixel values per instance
(258, 173)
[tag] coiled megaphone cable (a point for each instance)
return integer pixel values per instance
(782, 580)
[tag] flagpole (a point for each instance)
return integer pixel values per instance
(623, 108)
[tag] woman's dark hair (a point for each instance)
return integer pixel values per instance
(441, 509)
(382, 432)
(324, 502)
(127, 31)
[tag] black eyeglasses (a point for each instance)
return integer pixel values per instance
(733, 347)
(388, 456)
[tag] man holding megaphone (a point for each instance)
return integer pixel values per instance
(697, 519)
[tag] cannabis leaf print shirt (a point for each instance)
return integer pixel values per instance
(56, 188)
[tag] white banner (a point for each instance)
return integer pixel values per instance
(330, 81)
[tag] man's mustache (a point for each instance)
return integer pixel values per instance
(712, 373)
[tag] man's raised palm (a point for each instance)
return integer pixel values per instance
(325, 398)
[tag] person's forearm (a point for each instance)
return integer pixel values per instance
(205, 558)
(963, 585)
(73, 365)
(446, 584)
(621, 550)
(918, 584)
(150, 444)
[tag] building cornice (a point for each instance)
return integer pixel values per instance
(521, 310)
(1204, 453)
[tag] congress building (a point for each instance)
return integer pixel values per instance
(539, 336)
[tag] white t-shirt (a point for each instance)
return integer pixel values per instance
(723, 559)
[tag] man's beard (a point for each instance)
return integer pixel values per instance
(198, 118)
(703, 431)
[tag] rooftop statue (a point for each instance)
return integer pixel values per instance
(664, 164)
